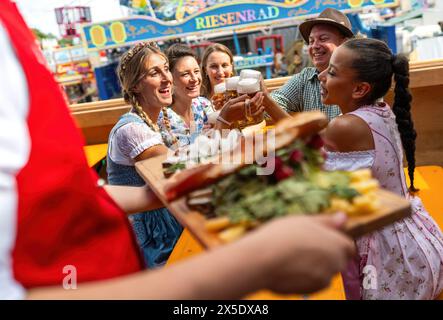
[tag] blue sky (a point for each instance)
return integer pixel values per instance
(40, 13)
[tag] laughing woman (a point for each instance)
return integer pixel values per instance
(147, 84)
(188, 114)
(217, 65)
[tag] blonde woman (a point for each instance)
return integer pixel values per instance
(147, 86)
(217, 65)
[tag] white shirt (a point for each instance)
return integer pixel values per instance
(130, 140)
(14, 153)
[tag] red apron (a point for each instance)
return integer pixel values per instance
(63, 217)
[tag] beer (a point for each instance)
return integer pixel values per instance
(219, 97)
(249, 86)
(231, 87)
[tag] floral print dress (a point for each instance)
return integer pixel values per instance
(185, 134)
(403, 260)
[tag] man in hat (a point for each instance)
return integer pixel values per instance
(302, 92)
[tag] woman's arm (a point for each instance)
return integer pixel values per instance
(276, 112)
(137, 199)
(273, 109)
(151, 152)
(288, 255)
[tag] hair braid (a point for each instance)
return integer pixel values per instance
(139, 110)
(375, 64)
(167, 124)
(402, 111)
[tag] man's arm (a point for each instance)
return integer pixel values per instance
(288, 255)
(288, 96)
(134, 199)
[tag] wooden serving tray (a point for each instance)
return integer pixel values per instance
(393, 208)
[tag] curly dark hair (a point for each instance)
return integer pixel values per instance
(375, 63)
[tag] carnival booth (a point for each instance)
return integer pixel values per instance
(74, 73)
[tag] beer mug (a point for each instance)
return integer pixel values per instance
(249, 86)
(231, 87)
(219, 95)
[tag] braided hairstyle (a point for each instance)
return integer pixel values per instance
(206, 84)
(131, 70)
(374, 63)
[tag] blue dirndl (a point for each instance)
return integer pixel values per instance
(156, 231)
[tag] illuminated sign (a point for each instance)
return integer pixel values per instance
(236, 18)
(225, 16)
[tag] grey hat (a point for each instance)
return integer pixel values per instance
(329, 16)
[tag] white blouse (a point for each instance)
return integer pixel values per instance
(349, 161)
(130, 140)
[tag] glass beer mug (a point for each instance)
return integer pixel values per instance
(249, 86)
(231, 87)
(219, 97)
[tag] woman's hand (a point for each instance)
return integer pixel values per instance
(235, 109)
(263, 87)
(218, 101)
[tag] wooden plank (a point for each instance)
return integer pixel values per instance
(393, 208)
(427, 113)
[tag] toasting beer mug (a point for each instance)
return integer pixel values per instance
(249, 86)
(231, 87)
(219, 97)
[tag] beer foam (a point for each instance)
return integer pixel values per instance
(220, 88)
(231, 83)
(249, 73)
(248, 86)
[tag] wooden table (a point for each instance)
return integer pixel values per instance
(95, 153)
(429, 179)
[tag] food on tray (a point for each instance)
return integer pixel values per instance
(298, 185)
(244, 149)
(234, 198)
